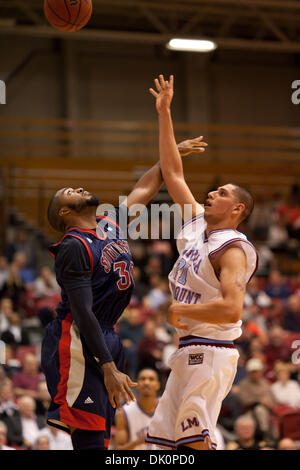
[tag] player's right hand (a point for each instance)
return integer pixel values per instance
(164, 93)
(117, 385)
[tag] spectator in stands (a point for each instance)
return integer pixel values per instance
(159, 293)
(291, 212)
(3, 376)
(260, 219)
(131, 332)
(140, 289)
(256, 296)
(27, 421)
(153, 267)
(284, 390)
(150, 348)
(162, 329)
(15, 334)
(277, 234)
(256, 322)
(41, 443)
(4, 270)
(3, 437)
(45, 285)
(43, 398)
(245, 431)
(291, 320)
(58, 440)
(256, 397)
(277, 286)
(24, 244)
(27, 274)
(13, 287)
(6, 308)
(276, 350)
(286, 444)
(26, 381)
(8, 404)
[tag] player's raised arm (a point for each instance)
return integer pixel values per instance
(170, 160)
(150, 182)
(231, 268)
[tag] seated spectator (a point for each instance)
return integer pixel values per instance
(162, 329)
(59, 440)
(15, 334)
(45, 285)
(277, 234)
(14, 287)
(276, 350)
(26, 273)
(245, 431)
(26, 381)
(256, 323)
(150, 348)
(153, 267)
(277, 287)
(22, 243)
(291, 320)
(3, 437)
(41, 443)
(284, 390)
(4, 270)
(159, 293)
(140, 289)
(8, 404)
(286, 444)
(255, 395)
(256, 296)
(43, 398)
(28, 422)
(131, 332)
(6, 308)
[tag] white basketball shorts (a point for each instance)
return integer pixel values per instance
(202, 373)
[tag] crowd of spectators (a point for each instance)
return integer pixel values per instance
(262, 411)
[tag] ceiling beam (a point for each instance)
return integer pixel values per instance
(147, 38)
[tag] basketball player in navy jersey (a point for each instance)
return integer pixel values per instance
(208, 284)
(82, 356)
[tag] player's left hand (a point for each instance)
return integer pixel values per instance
(192, 146)
(174, 317)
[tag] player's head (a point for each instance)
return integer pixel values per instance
(231, 203)
(68, 203)
(148, 382)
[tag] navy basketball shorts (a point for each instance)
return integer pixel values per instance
(75, 380)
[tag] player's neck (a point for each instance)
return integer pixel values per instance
(148, 404)
(223, 225)
(85, 221)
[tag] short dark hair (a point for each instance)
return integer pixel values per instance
(245, 197)
(54, 220)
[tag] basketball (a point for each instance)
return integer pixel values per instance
(68, 15)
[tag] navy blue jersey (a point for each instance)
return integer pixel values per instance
(108, 261)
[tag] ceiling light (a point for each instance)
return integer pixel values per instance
(192, 45)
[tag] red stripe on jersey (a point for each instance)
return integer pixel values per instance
(64, 359)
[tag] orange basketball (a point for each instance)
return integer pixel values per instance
(68, 15)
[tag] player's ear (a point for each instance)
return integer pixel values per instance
(239, 208)
(64, 211)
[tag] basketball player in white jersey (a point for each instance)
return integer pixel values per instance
(208, 284)
(132, 420)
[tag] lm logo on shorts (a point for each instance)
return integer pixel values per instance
(196, 359)
(189, 423)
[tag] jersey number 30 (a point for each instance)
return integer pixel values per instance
(126, 276)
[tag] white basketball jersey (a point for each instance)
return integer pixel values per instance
(193, 279)
(137, 423)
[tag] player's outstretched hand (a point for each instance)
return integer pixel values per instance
(164, 92)
(174, 318)
(192, 146)
(117, 385)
